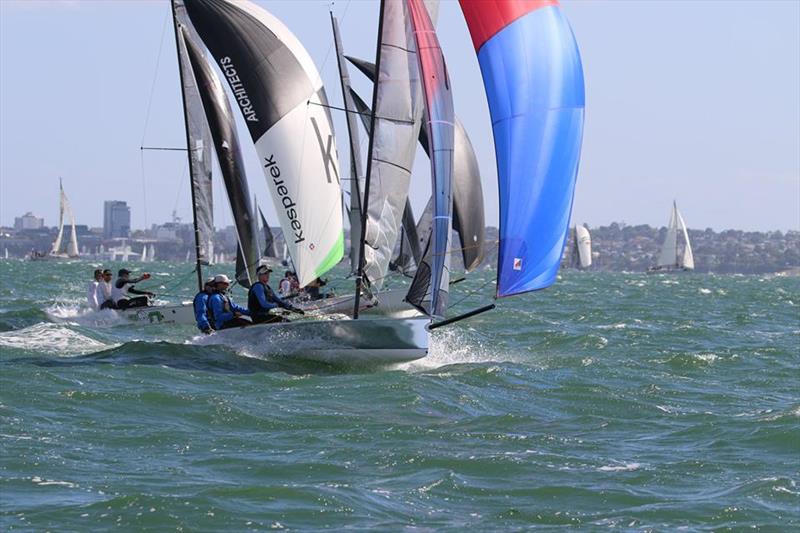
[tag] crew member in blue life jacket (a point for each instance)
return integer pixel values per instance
(202, 311)
(225, 313)
(262, 298)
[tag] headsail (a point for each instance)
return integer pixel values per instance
(279, 92)
(199, 146)
(533, 78)
(687, 261)
(429, 289)
(226, 142)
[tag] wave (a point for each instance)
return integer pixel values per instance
(51, 339)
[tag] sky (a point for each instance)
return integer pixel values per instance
(696, 101)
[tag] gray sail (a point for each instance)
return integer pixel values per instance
(408, 225)
(223, 131)
(398, 114)
(199, 148)
(468, 214)
(356, 168)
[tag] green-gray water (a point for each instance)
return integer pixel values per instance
(609, 400)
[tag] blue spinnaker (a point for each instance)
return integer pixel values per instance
(534, 85)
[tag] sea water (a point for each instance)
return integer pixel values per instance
(610, 400)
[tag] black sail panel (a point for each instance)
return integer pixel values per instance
(262, 105)
(226, 142)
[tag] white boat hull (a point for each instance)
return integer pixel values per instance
(367, 340)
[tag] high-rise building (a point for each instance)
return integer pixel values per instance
(28, 221)
(116, 219)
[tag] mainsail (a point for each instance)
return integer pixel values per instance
(199, 146)
(398, 114)
(226, 142)
(533, 79)
(669, 250)
(429, 289)
(280, 95)
(468, 214)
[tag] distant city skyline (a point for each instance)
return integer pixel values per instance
(693, 101)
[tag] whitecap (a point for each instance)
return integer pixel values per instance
(50, 338)
(704, 291)
(625, 467)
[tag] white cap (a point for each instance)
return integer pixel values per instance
(222, 278)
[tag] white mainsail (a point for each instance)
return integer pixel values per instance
(669, 250)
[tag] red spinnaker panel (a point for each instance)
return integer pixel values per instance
(486, 17)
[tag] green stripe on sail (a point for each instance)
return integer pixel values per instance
(333, 257)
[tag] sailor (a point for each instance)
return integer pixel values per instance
(104, 291)
(285, 285)
(202, 311)
(261, 299)
(313, 289)
(91, 289)
(225, 313)
(125, 286)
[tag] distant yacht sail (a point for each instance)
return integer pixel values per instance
(581, 248)
(64, 209)
(672, 256)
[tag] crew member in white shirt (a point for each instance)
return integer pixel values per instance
(103, 293)
(91, 289)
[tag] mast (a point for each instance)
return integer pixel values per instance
(198, 264)
(370, 147)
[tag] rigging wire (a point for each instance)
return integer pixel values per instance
(147, 116)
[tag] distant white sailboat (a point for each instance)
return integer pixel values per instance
(581, 248)
(56, 251)
(5, 253)
(673, 257)
(152, 253)
(143, 257)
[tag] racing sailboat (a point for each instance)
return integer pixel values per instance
(675, 258)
